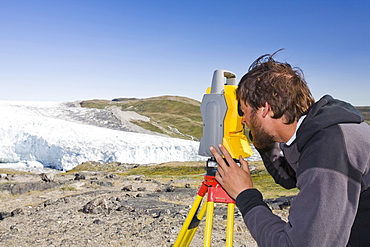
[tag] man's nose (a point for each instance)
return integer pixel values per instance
(244, 121)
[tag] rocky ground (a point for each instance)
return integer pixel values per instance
(104, 209)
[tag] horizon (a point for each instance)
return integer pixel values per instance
(67, 51)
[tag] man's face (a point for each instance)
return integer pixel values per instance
(253, 119)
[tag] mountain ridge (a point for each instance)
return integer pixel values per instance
(174, 116)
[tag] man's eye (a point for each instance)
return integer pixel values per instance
(240, 112)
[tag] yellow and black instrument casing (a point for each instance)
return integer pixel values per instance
(221, 122)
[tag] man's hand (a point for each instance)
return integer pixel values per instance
(232, 178)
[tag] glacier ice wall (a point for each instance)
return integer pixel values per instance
(48, 133)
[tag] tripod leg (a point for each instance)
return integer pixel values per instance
(188, 220)
(209, 221)
(191, 232)
(230, 224)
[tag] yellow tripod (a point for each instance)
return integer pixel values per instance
(216, 194)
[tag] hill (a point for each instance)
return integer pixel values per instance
(174, 116)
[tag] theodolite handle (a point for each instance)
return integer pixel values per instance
(218, 80)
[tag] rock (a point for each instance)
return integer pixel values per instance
(13, 228)
(99, 222)
(55, 201)
(21, 188)
(127, 188)
(155, 213)
(80, 176)
(112, 176)
(280, 203)
(169, 188)
(4, 215)
(17, 211)
(141, 189)
(47, 177)
(126, 208)
(102, 183)
(95, 206)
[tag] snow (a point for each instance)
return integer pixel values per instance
(62, 135)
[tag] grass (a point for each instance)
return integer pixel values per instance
(167, 171)
(68, 188)
(266, 184)
(148, 126)
(99, 104)
(11, 171)
(195, 171)
(170, 171)
(113, 167)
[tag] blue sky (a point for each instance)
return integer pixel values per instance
(75, 50)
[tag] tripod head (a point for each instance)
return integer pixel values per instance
(221, 121)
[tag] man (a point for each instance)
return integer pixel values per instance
(321, 148)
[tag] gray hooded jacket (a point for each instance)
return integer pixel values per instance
(329, 162)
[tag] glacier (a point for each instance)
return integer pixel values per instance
(62, 135)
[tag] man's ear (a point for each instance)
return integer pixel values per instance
(265, 109)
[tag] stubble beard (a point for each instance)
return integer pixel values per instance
(261, 138)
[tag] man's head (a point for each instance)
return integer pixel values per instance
(277, 84)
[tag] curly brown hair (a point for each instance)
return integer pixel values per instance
(277, 83)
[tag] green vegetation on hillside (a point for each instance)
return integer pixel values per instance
(172, 115)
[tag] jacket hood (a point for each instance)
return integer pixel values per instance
(325, 113)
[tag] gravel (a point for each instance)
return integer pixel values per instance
(102, 209)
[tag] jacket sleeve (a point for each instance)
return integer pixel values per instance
(323, 212)
(277, 166)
